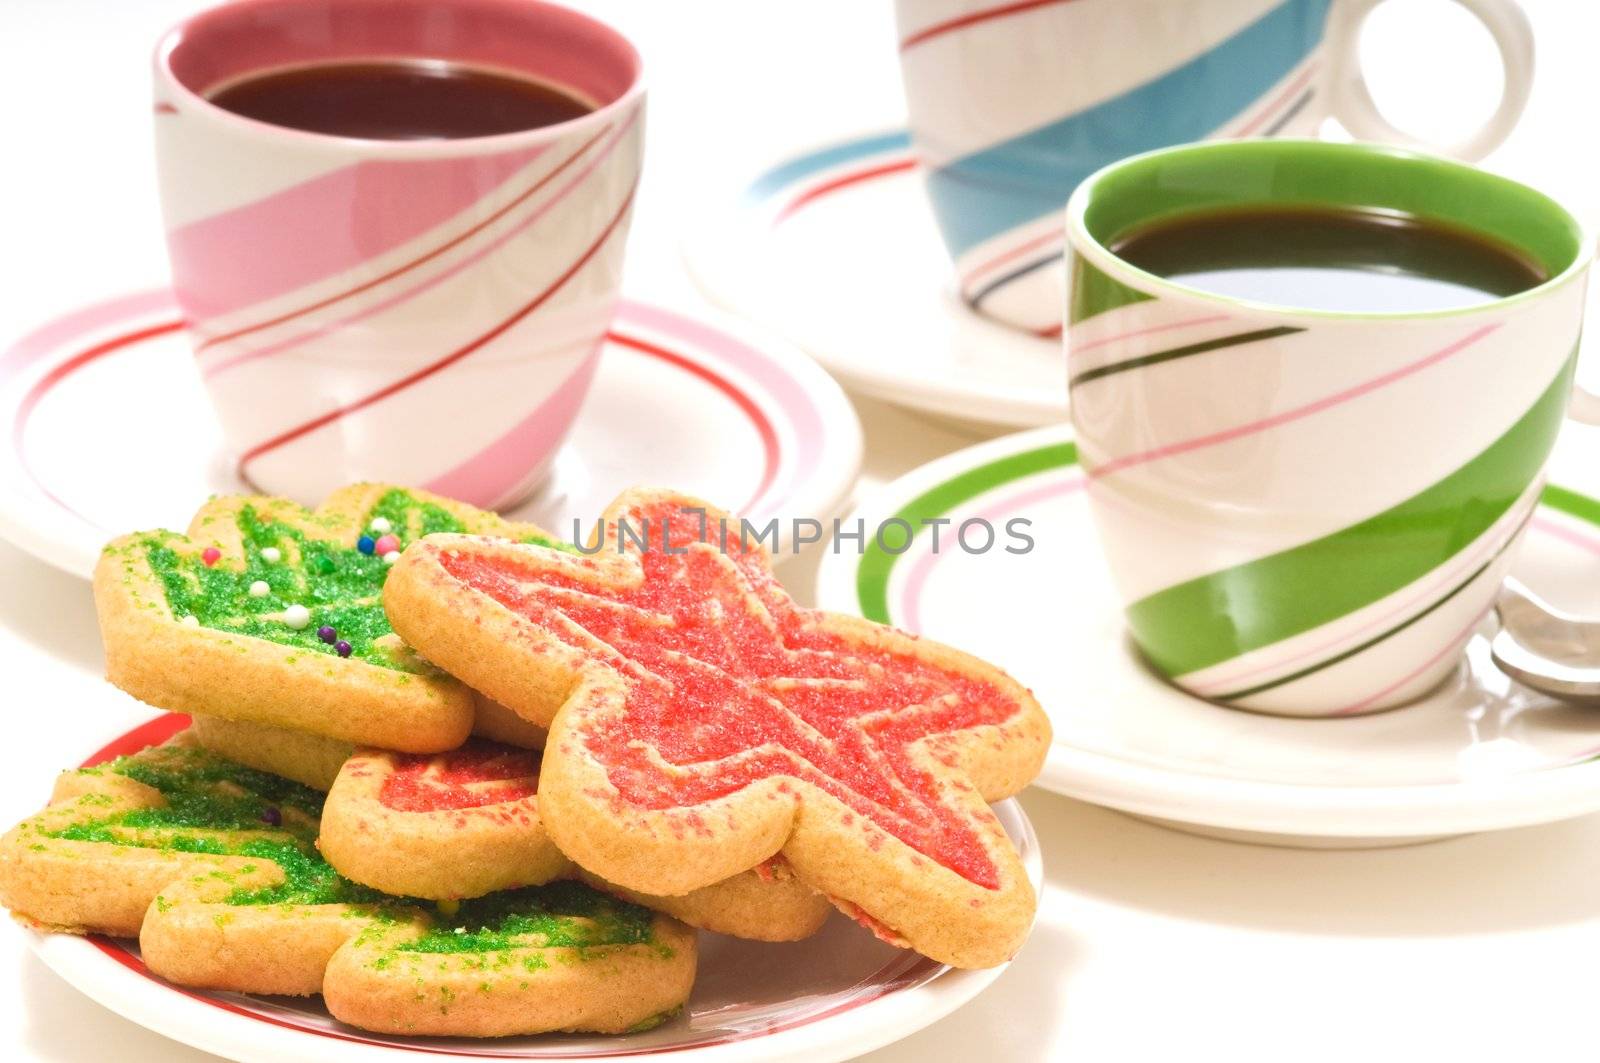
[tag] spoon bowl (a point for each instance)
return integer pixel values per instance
(1545, 648)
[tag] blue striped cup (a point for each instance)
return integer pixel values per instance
(1012, 104)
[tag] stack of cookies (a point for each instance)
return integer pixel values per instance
(462, 778)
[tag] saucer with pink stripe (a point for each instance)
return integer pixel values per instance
(109, 430)
(1478, 753)
(836, 248)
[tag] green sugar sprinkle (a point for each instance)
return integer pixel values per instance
(105, 831)
(340, 586)
(557, 915)
(208, 793)
(307, 879)
(204, 792)
(410, 517)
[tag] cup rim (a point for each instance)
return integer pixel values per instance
(1082, 241)
(374, 147)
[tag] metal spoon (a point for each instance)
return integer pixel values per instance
(1542, 647)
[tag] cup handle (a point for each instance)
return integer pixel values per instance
(1584, 406)
(1352, 102)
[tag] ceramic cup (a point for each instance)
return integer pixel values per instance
(427, 312)
(1306, 512)
(1012, 104)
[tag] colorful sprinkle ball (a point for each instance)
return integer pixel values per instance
(190, 621)
(271, 555)
(342, 647)
(297, 616)
(259, 589)
(327, 634)
(381, 525)
(391, 557)
(271, 816)
(386, 545)
(210, 555)
(325, 565)
(366, 544)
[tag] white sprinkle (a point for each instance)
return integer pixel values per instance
(259, 589)
(190, 621)
(381, 525)
(271, 555)
(391, 557)
(297, 616)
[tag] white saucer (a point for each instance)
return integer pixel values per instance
(1480, 753)
(830, 997)
(109, 430)
(836, 248)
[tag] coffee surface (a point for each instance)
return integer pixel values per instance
(1328, 259)
(411, 100)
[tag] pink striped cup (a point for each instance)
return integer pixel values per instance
(427, 312)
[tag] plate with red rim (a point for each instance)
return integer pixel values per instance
(831, 997)
(836, 249)
(1478, 753)
(702, 404)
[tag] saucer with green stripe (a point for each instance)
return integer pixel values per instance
(993, 550)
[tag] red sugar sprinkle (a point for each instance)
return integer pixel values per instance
(731, 680)
(210, 555)
(477, 774)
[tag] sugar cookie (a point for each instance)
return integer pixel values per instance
(314, 653)
(466, 823)
(701, 722)
(211, 864)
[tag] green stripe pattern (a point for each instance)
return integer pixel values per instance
(1570, 502)
(872, 577)
(1219, 616)
(1426, 611)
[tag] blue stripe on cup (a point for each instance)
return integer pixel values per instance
(987, 193)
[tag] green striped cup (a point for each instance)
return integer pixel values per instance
(1309, 512)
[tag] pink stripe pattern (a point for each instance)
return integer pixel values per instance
(1076, 351)
(774, 380)
(911, 592)
(410, 380)
(499, 471)
(324, 226)
(1567, 535)
(404, 295)
(1310, 409)
(1053, 237)
(75, 326)
(1457, 640)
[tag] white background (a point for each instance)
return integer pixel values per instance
(1150, 944)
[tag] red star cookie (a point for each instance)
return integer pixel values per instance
(702, 722)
